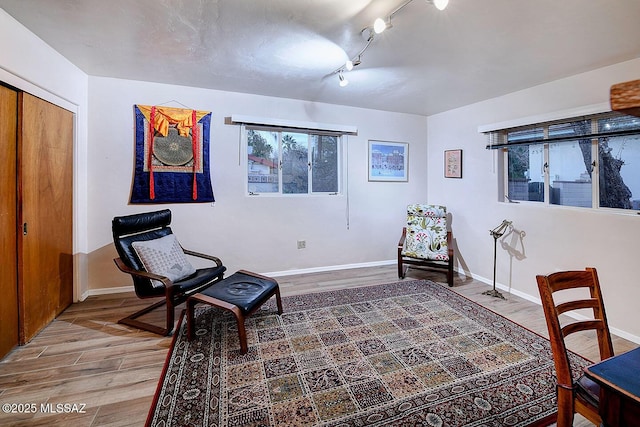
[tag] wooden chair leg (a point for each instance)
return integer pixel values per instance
(170, 316)
(401, 272)
(278, 301)
(565, 407)
(242, 333)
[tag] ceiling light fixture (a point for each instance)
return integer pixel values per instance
(343, 81)
(369, 33)
(379, 25)
(440, 4)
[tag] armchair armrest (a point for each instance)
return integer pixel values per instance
(449, 247)
(216, 260)
(142, 274)
(402, 238)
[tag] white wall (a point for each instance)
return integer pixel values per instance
(557, 238)
(261, 234)
(29, 64)
(255, 233)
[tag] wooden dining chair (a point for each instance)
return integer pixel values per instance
(579, 395)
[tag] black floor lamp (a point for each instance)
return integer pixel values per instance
(496, 233)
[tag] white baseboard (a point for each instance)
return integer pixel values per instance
(615, 331)
(505, 288)
(523, 295)
(329, 268)
(106, 291)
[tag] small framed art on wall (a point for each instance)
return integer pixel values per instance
(453, 164)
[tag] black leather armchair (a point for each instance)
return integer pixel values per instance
(146, 227)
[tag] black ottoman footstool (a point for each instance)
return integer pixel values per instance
(242, 293)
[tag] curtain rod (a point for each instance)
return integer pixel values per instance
(564, 139)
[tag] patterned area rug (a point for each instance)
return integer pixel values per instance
(411, 353)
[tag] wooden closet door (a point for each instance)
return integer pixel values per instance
(45, 246)
(8, 225)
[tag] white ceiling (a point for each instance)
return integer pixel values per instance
(429, 61)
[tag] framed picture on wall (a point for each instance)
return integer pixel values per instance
(388, 161)
(453, 163)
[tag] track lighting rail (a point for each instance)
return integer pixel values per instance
(378, 27)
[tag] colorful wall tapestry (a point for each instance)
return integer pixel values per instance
(172, 156)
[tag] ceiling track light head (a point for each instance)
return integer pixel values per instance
(439, 4)
(350, 64)
(380, 25)
(342, 81)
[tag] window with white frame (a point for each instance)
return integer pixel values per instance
(591, 162)
(292, 161)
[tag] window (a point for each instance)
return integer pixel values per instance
(525, 164)
(619, 160)
(555, 162)
(292, 162)
(570, 164)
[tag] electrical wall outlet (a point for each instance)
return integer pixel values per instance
(302, 244)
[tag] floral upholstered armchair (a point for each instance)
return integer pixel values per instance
(425, 241)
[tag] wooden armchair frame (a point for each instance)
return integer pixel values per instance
(172, 295)
(404, 261)
(149, 226)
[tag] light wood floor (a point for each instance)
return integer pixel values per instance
(85, 358)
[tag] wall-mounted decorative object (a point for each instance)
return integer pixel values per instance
(453, 164)
(172, 155)
(388, 161)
